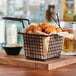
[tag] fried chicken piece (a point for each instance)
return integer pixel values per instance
(52, 26)
(58, 30)
(40, 25)
(50, 29)
(43, 25)
(31, 29)
(38, 28)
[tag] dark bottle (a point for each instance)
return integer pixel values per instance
(50, 13)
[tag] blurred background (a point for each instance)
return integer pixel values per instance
(35, 11)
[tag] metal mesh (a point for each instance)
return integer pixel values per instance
(55, 46)
(33, 46)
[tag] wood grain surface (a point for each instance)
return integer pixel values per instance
(18, 71)
(21, 61)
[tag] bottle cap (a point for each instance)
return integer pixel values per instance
(51, 6)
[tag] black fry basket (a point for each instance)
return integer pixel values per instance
(35, 46)
(36, 49)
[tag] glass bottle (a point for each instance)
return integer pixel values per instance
(68, 10)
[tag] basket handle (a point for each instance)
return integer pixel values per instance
(17, 19)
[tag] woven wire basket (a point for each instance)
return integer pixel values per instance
(36, 48)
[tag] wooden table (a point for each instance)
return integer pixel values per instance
(16, 71)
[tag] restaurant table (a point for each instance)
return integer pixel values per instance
(6, 70)
(18, 71)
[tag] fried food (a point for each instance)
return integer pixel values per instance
(31, 29)
(50, 29)
(38, 28)
(58, 30)
(43, 25)
(53, 26)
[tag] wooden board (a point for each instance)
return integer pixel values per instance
(21, 61)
